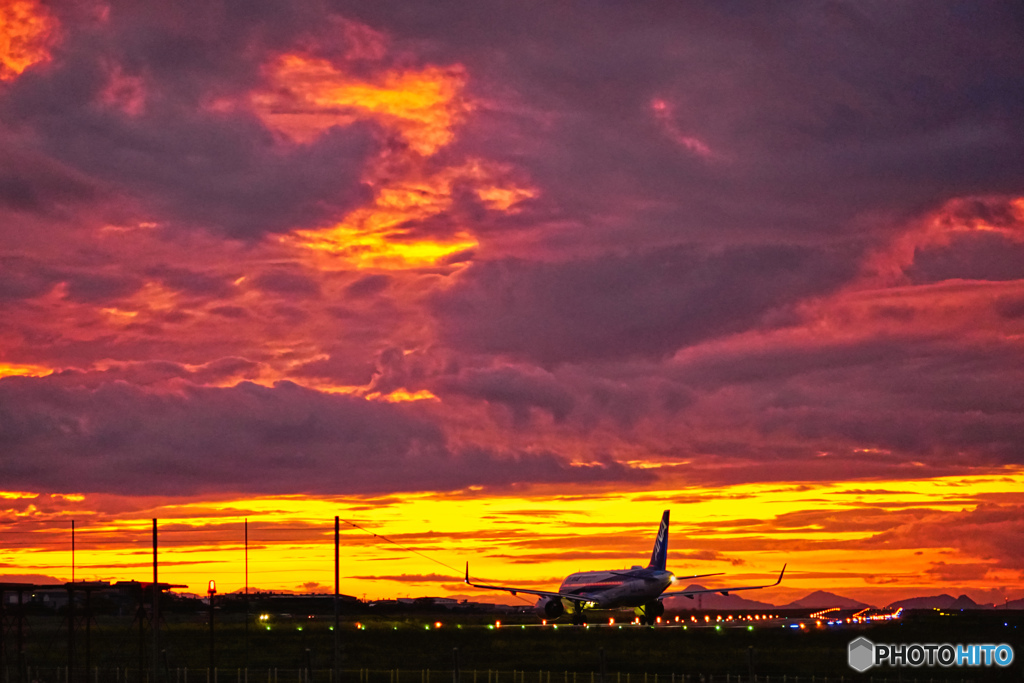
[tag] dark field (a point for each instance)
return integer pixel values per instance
(404, 642)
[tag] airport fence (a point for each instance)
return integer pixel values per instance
(303, 675)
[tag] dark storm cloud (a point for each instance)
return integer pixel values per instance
(970, 257)
(516, 388)
(192, 282)
(120, 438)
(812, 113)
(1010, 307)
(188, 162)
(937, 403)
(368, 285)
(100, 288)
(31, 182)
(24, 278)
(642, 304)
(289, 283)
(989, 532)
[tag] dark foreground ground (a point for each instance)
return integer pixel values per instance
(374, 646)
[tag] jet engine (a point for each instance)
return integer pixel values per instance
(550, 608)
(654, 609)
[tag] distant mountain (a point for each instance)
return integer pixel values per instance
(712, 601)
(824, 599)
(943, 601)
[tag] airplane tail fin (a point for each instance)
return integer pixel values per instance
(660, 554)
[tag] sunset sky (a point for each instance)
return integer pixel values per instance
(502, 281)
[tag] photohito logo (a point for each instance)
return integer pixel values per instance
(863, 654)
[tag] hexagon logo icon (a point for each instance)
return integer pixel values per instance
(861, 654)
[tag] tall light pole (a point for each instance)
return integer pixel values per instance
(212, 590)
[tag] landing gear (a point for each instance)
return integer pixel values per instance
(650, 612)
(578, 619)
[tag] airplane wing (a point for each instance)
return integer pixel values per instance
(724, 591)
(528, 591)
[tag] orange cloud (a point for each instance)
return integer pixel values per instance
(309, 96)
(26, 35)
(378, 236)
(15, 370)
(1004, 216)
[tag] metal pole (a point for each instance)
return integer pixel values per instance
(337, 599)
(248, 617)
(88, 630)
(155, 625)
(71, 630)
(3, 628)
(213, 660)
(21, 636)
(72, 551)
(455, 665)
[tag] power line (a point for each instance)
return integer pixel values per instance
(409, 550)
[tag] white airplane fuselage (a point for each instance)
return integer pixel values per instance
(612, 589)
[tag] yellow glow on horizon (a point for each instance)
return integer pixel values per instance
(536, 538)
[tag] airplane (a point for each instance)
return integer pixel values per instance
(640, 588)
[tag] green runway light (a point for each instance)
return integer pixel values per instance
(718, 628)
(298, 628)
(750, 628)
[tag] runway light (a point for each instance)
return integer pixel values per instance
(611, 621)
(657, 620)
(543, 622)
(677, 618)
(497, 624)
(437, 624)
(750, 628)
(717, 627)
